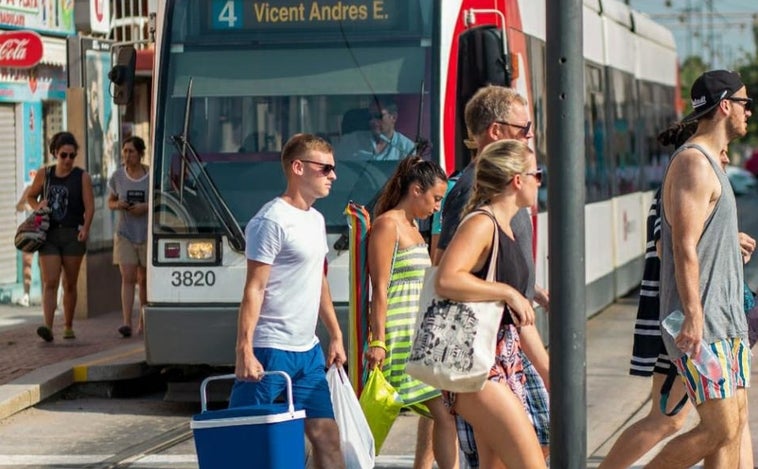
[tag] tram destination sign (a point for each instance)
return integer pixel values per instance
(351, 15)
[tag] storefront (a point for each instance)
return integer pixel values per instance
(33, 81)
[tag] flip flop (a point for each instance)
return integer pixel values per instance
(125, 331)
(69, 334)
(45, 333)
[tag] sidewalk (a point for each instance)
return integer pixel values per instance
(32, 370)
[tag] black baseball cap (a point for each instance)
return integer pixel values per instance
(709, 89)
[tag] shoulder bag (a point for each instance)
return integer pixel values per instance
(454, 344)
(31, 234)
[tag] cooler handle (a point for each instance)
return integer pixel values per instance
(204, 385)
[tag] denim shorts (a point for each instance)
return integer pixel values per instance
(310, 391)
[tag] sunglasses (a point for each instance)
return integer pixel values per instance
(537, 174)
(747, 102)
(524, 128)
(65, 155)
(378, 115)
(326, 169)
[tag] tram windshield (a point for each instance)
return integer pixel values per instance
(356, 73)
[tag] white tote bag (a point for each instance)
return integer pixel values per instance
(356, 439)
(454, 344)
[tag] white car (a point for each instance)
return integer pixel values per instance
(741, 179)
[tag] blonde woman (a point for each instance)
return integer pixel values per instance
(506, 180)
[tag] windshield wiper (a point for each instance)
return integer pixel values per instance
(191, 161)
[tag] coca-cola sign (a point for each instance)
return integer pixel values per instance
(20, 49)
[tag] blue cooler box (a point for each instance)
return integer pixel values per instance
(268, 436)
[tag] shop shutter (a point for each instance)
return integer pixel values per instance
(9, 194)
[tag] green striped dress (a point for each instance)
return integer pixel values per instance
(406, 280)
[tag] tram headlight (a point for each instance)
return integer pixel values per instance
(201, 249)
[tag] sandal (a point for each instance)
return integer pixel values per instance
(125, 331)
(69, 334)
(45, 333)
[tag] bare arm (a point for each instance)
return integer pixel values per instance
(35, 190)
(381, 246)
(531, 343)
(468, 252)
(21, 204)
(328, 316)
(88, 197)
(247, 366)
(687, 207)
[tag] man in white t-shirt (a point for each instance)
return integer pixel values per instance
(285, 293)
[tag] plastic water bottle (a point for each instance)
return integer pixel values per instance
(707, 363)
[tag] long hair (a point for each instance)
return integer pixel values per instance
(677, 133)
(496, 166)
(412, 169)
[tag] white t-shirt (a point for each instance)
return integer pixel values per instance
(293, 242)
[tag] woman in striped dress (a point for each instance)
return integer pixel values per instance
(397, 258)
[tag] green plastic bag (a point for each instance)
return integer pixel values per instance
(381, 405)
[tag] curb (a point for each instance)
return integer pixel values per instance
(125, 362)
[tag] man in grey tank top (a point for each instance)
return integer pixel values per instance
(701, 275)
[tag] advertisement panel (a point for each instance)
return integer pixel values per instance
(55, 17)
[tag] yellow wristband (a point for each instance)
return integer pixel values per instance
(378, 343)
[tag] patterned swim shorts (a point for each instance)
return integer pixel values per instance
(734, 357)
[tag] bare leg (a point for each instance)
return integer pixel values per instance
(424, 457)
(128, 280)
(26, 262)
(142, 281)
(50, 266)
(644, 434)
(71, 266)
(444, 435)
(325, 442)
(719, 426)
(746, 446)
(729, 454)
(501, 426)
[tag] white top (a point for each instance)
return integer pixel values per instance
(293, 242)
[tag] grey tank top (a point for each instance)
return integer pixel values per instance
(720, 261)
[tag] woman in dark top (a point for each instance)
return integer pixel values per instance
(506, 180)
(68, 195)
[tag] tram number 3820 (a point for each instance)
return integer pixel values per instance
(193, 278)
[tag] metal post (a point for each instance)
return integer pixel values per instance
(565, 151)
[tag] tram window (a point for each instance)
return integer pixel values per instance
(623, 157)
(537, 63)
(596, 161)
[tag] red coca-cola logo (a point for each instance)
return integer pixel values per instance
(20, 49)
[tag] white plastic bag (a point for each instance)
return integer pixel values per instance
(355, 435)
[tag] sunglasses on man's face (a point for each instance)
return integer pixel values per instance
(524, 128)
(65, 155)
(326, 168)
(747, 102)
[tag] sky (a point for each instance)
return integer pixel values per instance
(732, 22)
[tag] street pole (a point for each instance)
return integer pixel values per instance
(565, 154)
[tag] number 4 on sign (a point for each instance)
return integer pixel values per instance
(225, 14)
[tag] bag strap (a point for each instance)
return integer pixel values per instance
(666, 390)
(46, 184)
(495, 242)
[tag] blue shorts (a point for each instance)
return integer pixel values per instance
(310, 391)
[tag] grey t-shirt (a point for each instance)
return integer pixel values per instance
(456, 201)
(131, 227)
